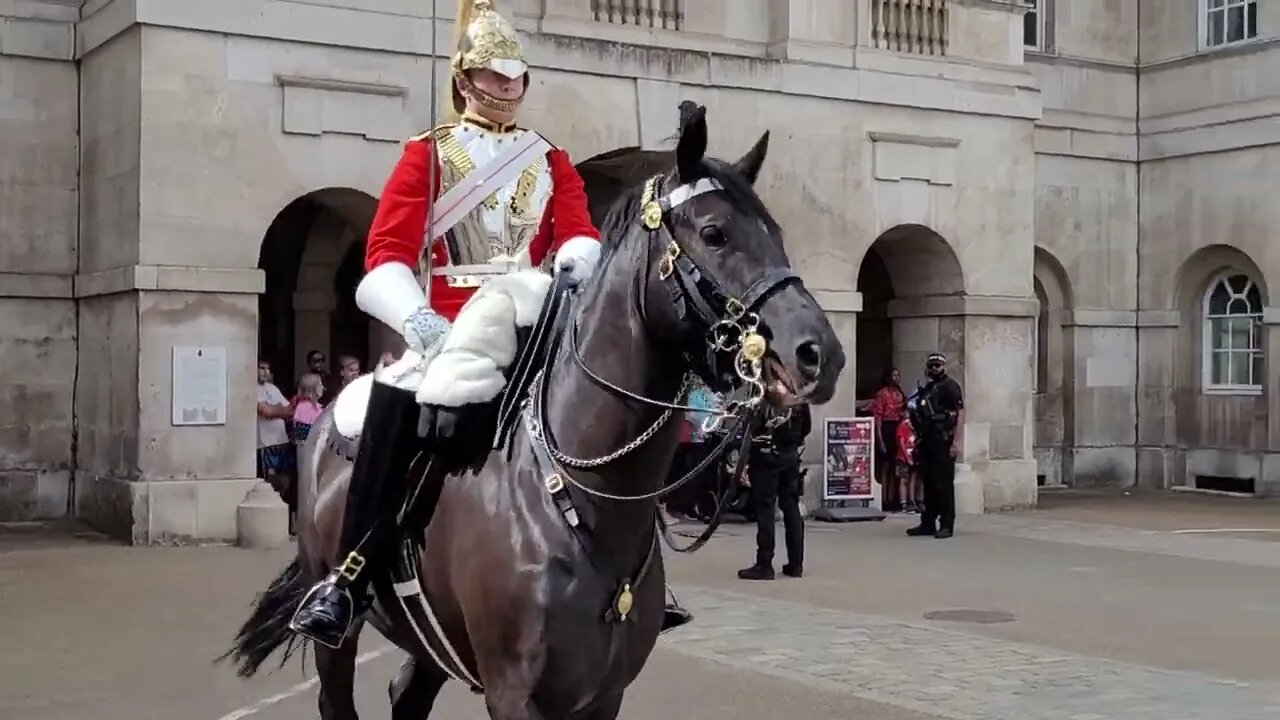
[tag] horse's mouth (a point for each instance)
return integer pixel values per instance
(780, 385)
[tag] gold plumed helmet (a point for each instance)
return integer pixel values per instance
(484, 40)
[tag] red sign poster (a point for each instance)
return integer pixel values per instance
(848, 459)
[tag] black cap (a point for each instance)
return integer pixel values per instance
(936, 357)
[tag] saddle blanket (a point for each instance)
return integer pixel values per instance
(469, 366)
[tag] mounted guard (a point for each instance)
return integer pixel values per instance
(500, 205)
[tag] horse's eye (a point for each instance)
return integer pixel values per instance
(712, 235)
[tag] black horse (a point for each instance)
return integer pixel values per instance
(551, 620)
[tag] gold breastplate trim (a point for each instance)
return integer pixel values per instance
(456, 155)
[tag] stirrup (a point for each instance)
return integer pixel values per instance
(328, 610)
(674, 616)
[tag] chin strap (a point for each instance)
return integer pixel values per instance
(470, 91)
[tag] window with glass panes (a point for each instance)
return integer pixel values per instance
(1033, 24)
(1226, 22)
(1233, 335)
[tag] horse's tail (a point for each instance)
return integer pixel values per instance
(268, 627)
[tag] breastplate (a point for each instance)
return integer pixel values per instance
(505, 222)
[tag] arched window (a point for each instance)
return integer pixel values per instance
(1233, 336)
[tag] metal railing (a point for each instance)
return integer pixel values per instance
(910, 26)
(665, 14)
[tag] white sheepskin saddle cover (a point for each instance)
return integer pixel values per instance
(469, 366)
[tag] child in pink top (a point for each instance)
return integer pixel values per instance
(306, 405)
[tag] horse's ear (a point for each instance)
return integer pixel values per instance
(750, 163)
(693, 145)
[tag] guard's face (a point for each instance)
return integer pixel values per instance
(497, 85)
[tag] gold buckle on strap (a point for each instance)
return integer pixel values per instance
(352, 566)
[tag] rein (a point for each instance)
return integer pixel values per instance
(731, 328)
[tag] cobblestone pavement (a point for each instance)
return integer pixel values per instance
(949, 673)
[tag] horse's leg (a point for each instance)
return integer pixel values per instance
(337, 672)
(414, 689)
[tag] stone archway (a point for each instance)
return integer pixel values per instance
(308, 304)
(908, 278)
(1214, 437)
(1053, 373)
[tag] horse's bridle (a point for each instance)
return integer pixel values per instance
(729, 323)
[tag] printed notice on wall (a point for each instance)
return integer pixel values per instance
(199, 385)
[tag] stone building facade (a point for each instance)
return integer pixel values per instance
(1056, 218)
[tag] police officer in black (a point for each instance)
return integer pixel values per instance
(937, 415)
(774, 469)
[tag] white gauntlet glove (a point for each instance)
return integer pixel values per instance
(579, 256)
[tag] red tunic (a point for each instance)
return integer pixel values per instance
(399, 225)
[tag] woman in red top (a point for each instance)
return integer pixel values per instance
(888, 407)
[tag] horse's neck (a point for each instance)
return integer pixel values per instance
(589, 421)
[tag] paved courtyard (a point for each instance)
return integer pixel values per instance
(1097, 606)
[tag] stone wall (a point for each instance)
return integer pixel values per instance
(1213, 214)
(1208, 161)
(38, 196)
(1149, 182)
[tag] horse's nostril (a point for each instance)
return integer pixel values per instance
(809, 360)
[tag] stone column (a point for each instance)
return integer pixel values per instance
(567, 17)
(383, 339)
(842, 308)
(987, 341)
(986, 30)
(1160, 464)
(313, 315)
(314, 300)
(1104, 366)
(816, 31)
(144, 477)
(1269, 483)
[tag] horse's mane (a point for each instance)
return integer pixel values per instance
(625, 211)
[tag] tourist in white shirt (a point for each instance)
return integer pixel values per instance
(276, 457)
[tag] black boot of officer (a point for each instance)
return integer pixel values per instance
(379, 481)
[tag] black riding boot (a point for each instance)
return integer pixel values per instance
(388, 443)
